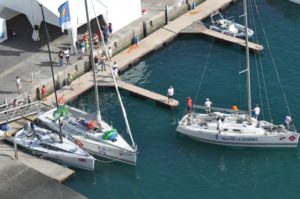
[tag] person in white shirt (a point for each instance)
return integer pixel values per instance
(110, 53)
(115, 70)
(170, 93)
(67, 56)
(19, 85)
(207, 105)
(256, 111)
(287, 121)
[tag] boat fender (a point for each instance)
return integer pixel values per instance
(79, 143)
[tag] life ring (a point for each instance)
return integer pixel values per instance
(79, 143)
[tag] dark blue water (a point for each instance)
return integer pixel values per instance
(173, 166)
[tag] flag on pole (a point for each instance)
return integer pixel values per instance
(64, 16)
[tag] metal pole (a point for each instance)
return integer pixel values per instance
(53, 79)
(16, 150)
(247, 63)
(93, 65)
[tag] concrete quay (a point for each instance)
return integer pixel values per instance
(133, 53)
(34, 70)
(19, 181)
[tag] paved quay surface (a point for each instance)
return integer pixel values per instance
(23, 57)
(19, 181)
(145, 46)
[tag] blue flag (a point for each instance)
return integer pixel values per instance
(64, 16)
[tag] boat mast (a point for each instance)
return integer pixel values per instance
(93, 66)
(117, 90)
(247, 62)
(52, 72)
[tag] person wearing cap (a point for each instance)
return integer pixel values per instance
(189, 104)
(170, 93)
(207, 105)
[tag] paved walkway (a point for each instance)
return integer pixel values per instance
(23, 57)
(19, 182)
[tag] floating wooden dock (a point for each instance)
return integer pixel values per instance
(139, 92)
(104, 78)
(199, 27)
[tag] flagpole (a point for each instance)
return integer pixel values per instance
(53, 79)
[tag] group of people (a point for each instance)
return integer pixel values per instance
(64, 53)
(208, 105)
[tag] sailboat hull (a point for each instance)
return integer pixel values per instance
(242, 135)
(86, 162)
(92, 141)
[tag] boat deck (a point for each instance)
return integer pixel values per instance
(55, 171)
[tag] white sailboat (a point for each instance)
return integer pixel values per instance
(295, 1)
(100, 139)
(236, 128)
(45, 143)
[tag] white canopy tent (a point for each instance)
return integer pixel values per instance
(117, 12)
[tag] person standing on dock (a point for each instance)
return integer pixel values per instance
(61, 58)
(110, 53)
(207, 105)
(102, 62)
(170, 94)
(29, 99)
(44, 93)
(189, 104)
(96, 63)
(115, 70)
(19, 85)
(67, 56)
(69, 80)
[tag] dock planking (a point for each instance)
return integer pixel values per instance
(139, 92)
(200, 28)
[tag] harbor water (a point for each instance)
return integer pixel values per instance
(174, 166)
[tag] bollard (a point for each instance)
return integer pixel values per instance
(167, 14)
(16, 150)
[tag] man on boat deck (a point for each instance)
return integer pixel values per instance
(189, 104)
(287, 121)
(207, 105)
(256, 111)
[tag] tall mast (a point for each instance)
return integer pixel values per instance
(247, 62)
(52, 72)
(93, 66)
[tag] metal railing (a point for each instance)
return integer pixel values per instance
(25, 110)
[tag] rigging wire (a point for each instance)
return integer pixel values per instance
(274, 65)
(204, 69)
(128, 130)
(252, 21)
